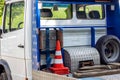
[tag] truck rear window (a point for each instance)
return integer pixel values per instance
(56, 11)
(90, 11)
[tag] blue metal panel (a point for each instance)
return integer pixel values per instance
(114, 19)
(117, 19)
(110, 21)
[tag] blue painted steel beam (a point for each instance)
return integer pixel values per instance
(76, 2)
(35, 37)
(38, 25)
(48, 59)
(92, 36)
(62, 50)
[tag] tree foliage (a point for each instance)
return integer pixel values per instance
(1, 10)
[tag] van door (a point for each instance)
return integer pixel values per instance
(12, 41)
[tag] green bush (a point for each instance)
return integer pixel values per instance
(1, 10)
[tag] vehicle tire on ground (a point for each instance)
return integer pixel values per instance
(109, 49)
(3, 76)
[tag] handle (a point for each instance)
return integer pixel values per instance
(21, 46)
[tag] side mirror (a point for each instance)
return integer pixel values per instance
(0, 32)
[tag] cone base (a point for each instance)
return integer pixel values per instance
(61, 71)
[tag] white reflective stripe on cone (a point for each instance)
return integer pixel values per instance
(58, 61)
(58, 53)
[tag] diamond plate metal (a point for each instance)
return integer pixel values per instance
(111, 77)
(75, 54)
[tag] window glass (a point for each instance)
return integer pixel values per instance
(90, 11)
(14, 16)
(7, 18)
(56, 11)
(17, 15)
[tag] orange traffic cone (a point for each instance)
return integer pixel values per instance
(58, 66)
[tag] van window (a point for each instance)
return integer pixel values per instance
(90, 11)
(7, 18)
(14, 16)
(56, 11)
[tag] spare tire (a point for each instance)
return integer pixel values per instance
(109, 49)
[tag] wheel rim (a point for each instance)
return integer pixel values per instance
(111, 50)
(3, 76)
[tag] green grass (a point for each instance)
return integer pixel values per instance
(0, 21)
(17, 20)
(60, 14)
(97, 8)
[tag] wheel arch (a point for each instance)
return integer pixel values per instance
(5, 66)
